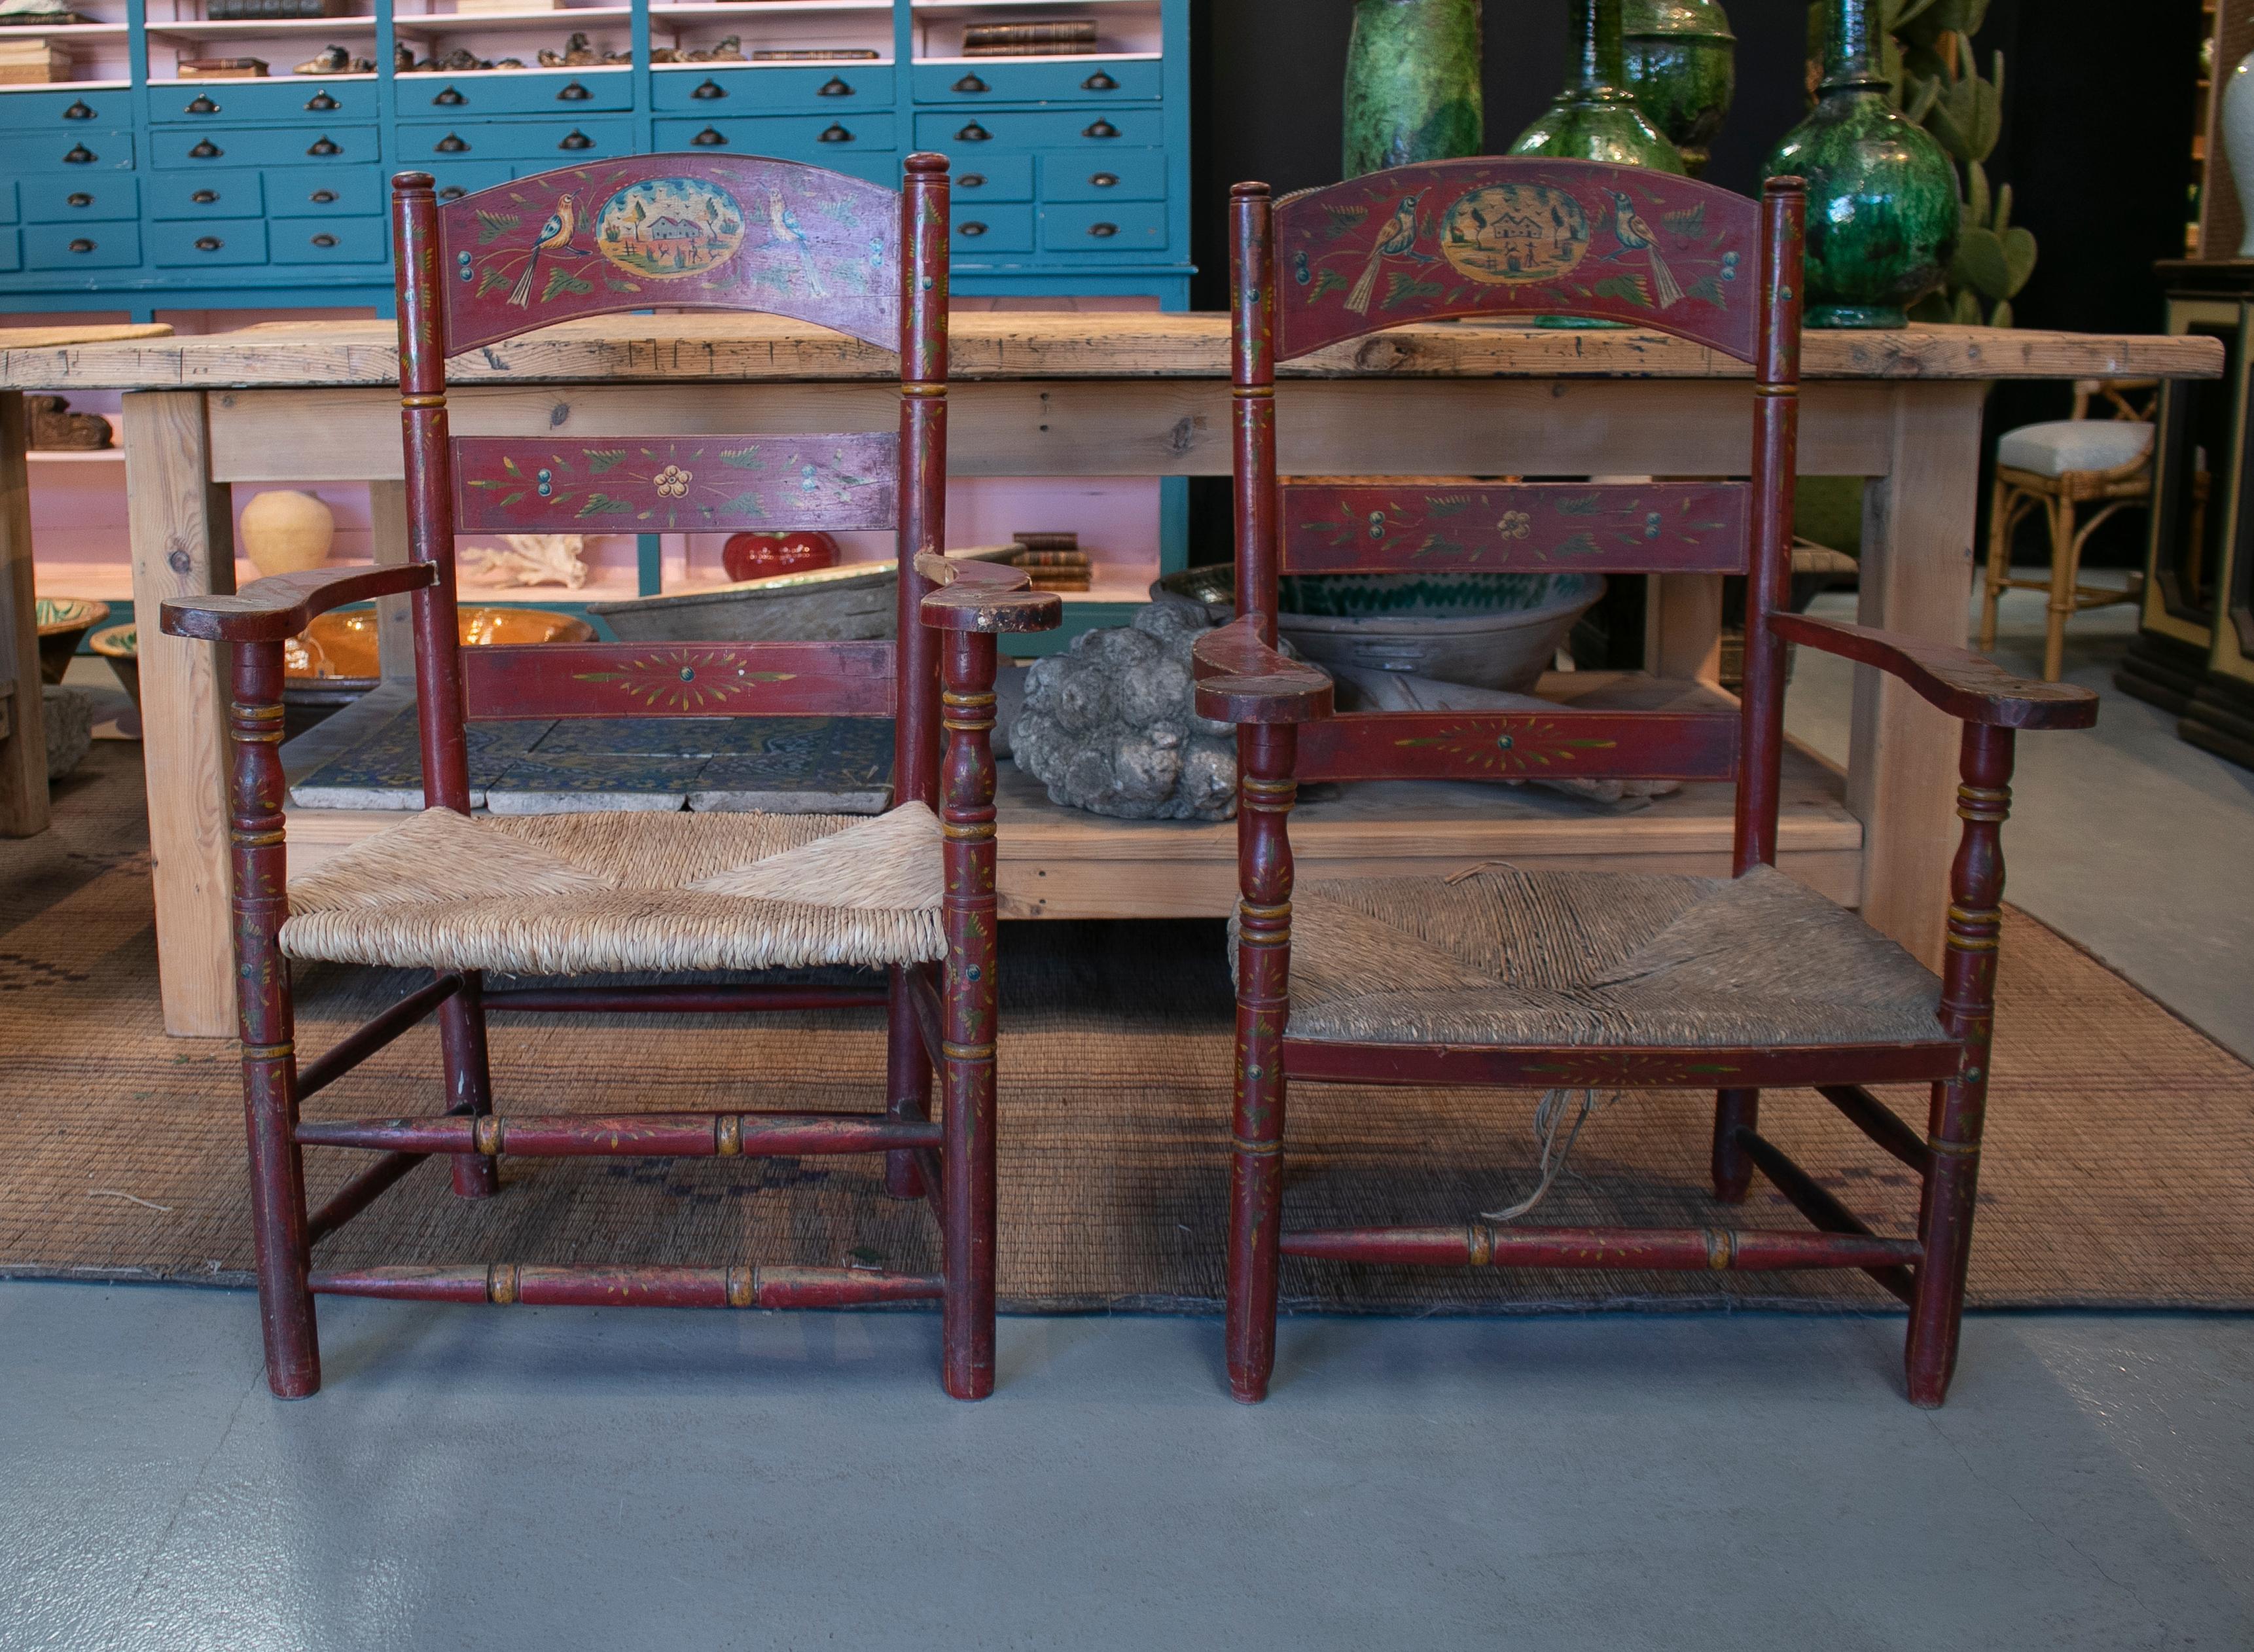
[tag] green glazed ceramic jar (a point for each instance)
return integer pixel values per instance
(1412, 84)
(1682, 65)
(1595, 118)
(1882, 202)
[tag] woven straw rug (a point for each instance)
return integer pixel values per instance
(2121, 1167)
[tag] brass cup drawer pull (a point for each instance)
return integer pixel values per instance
(835, 134)
(204, 150)
(321, 103)
(971, 230)
(1104, 180)
(325, 241)
(971, 180)
(973, 133)
(78, 197)
(451, 145)
(209, 243)
(323, 146)
(1099, 81)
(834, 87)
(573, 93)
(971, 84)
(205, 196)
(576, 140)
(82, 245)
(450, 98)
(322, 197)
(711, 137)
(708, 92)
(1104, 232)
(199, 105)
(1100, 128)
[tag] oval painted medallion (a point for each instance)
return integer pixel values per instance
(664, 228)
(1513, 233)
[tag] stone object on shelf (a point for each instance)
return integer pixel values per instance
(56, 429)
(334, 59)
(286, 532)
(69, 716)
(1110, 725)
(528, 559)
(579, 53)
(729, 48)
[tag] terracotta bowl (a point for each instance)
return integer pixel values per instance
(341, 647)
(62, 621)
(120, 645)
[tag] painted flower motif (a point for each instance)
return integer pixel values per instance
(1516, 524)
(672, 481)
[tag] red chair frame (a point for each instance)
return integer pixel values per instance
(1503, 237)
(841, 253)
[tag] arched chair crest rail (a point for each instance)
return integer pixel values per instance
(1557, 980)
(909, 892)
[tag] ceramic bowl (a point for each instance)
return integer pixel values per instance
(341, 647)
(1488, 631)
(120, 645)
(62, 621)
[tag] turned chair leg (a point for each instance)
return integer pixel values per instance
(2062, 588)
(469, 1079)
(1945, 1227)
(266, 1023)
(1733, 1167)
(908, 1081)
(2001, 520)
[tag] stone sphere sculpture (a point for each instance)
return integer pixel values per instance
(1110, 725)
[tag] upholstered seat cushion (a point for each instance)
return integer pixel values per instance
(573, 894)
(1512, 958)
(2074, 444)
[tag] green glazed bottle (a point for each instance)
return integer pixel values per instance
(1595, 117)
(1882, 203)
(1412, 84)
(1682, 63)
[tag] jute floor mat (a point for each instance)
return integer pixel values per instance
(2120, 1170)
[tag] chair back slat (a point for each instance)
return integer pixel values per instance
(682, 232)
(1494, 236)
(1415, 526)
(668, 484)
(1561, 744)
(674, 679)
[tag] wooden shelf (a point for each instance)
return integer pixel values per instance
(66, 85)
(566, 18)
(262, 28)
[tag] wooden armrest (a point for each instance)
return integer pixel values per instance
(276, 608)
(1241, 679)
(1967, 686)
(985, 596)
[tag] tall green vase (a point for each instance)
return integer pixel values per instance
(1595, 118)
(1412, 83)
(1882, 204)
(1682, 63)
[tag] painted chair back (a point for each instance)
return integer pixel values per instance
(1506, 238)
(700, 232)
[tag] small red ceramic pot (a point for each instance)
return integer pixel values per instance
(758, 556)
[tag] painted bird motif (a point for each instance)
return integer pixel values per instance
(784, 222)
(1635, 235)
(1398, 234)
(553, 236)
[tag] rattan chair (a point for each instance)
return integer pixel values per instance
(908, 894)
(1567, 980)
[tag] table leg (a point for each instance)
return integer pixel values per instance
(24, 744)
(1918, 521)
(395, 626)
(182, 530)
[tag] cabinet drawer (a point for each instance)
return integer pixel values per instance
(224, 103)
(1134, 174)
(551, 143)
(988, 80)
(995, 178)
(221, 194)
(966, 134)
(304, 144)
(326, 241)
(821, 141)
(983, 231)
(718, 88)
(75, 150)
(66, 247)
(219, 241)
(7, 201)
(11, 252)
(81, 201)
(65, 110)
(1129, 226)
(325, 191)
(458, 179)
(435, 97)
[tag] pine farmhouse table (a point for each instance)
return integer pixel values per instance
(23, 736)
(1134, 395)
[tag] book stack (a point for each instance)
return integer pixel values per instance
(33, 62)
(813, 53)
(1066, 39)
(1056, 561)
(221, 68)
(262, 11)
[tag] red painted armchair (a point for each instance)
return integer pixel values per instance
(908, 894)
(1573, 980)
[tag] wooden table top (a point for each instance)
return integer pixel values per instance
(1035, 344)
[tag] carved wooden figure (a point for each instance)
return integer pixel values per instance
(908, 895)
(1580, 980)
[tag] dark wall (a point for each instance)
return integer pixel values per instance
(2097, 132)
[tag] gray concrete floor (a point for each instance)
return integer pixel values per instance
(547, 1478)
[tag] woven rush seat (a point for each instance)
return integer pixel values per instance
(574, 894)
(1510, 958)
